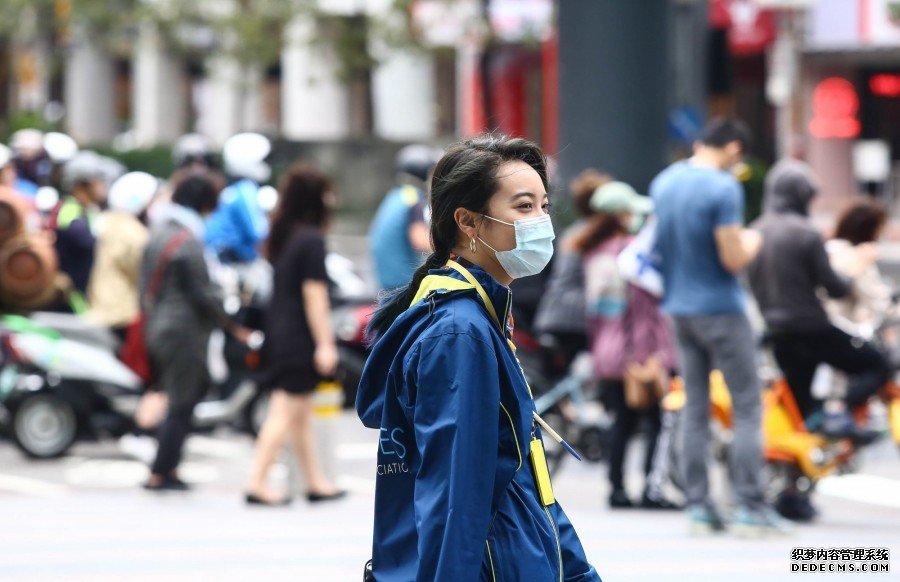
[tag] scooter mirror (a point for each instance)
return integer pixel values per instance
(46, 198)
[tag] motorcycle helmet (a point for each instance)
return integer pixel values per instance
(243, 156)
(85, 166)
(59, 147)
(193, 148)
(132, 193)
(416, 160)
(27, 143)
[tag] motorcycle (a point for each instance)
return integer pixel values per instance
(61, 382)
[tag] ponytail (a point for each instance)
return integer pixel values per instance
(394, 303)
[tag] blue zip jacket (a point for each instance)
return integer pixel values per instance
(238, 225)
(455, 497)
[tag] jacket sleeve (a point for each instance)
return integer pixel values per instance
(823, 274)
(205, 294)
(249, 217)
(457, 435)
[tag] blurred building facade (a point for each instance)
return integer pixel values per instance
(818, 79)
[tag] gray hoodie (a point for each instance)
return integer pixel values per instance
(793, 263)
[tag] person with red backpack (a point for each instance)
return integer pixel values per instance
(181, 306)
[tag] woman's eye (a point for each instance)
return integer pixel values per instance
(547, 207)
(527, 206)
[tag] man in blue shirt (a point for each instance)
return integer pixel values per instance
(399, 234)
(703, 245)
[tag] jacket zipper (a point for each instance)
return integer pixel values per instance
(558, 547)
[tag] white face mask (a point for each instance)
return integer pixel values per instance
(534, 246)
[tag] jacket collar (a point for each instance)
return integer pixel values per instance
(499, 295)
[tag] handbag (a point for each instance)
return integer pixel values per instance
(644, 383)
(134, 350)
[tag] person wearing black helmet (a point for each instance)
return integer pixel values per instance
(399, 232)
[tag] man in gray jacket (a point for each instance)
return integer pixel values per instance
(182, 306)
(785, 278)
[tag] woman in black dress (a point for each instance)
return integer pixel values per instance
(300, 348)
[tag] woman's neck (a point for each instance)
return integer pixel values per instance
(487, 262)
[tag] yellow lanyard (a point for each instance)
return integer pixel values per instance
(484, 296)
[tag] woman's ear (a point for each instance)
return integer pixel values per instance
(465, 221)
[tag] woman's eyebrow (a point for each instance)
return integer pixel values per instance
(531, 195)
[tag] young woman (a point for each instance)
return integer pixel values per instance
(852, 252)
(462, 490)
(300, 348)
(626, 328)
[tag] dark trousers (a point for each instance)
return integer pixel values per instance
(799, 354)
(171, 436)
(627, 421)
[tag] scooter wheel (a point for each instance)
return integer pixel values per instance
(44, 426)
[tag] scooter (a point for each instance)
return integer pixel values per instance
(61, 381)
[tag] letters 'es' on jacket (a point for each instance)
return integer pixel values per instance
(456, 497)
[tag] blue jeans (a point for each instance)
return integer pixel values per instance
(727, 343)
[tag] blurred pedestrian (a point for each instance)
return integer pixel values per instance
(300, 349)
(630, 339)
(456, 498)
(181, 308)
(33, 166)
(113, 295)
(703, 245)
(398, 235)
(786, 278)
(560, 313)
(858, 229)
(238, 226)
(74, 219)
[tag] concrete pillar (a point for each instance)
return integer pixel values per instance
(314, 101)
(158, 95)
(31, 64)
(89, 91)
(403, 94)
(613, 102)
(469, 114)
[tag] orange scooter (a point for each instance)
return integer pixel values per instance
(796, 458)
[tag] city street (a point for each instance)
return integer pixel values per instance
(84, 517)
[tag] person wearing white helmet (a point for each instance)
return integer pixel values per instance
(399, 235)
(238, 226)
(121, 239)
(84, 178)
(33, 166)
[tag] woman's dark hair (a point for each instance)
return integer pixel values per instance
(582, 188)
(861, 222)
(466, 177)
(301, 201)
(198, 192)
(601, 227)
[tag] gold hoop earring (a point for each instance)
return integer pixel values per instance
(472, 246)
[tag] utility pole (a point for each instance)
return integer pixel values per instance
(614, 87)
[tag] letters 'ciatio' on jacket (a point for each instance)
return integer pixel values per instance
(456, 497)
